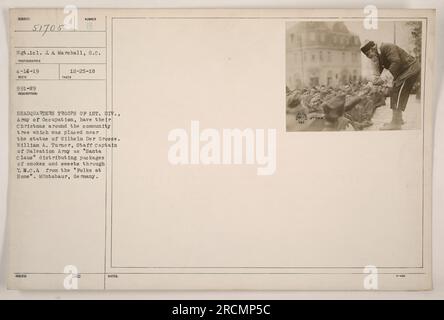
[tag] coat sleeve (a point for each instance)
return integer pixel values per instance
(392, 56)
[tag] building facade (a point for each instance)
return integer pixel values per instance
(322, 53)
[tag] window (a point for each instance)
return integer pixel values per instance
(312, 36)
(343, 56)
(328, 56)
(291, 37)
(313, 57)
(321, 56)
(353, 56)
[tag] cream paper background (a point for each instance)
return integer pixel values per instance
(341, 199)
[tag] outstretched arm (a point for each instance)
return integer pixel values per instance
(352, 103)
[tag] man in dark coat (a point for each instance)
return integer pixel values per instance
(405, 70)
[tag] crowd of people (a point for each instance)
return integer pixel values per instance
(345, 107)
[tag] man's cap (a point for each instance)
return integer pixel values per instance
(367, 45)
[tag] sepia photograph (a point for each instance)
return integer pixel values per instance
(346, 76)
